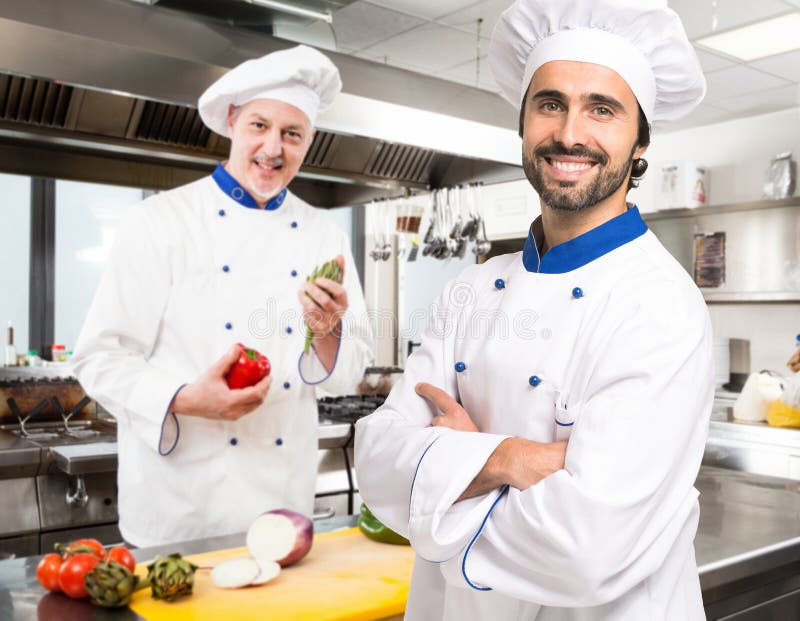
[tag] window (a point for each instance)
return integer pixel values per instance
(87, 217)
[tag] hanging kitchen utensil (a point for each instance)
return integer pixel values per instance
(482, 246)
(386, 249)
(377, 251)
(473, 224)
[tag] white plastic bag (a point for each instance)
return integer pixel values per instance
(759, 392)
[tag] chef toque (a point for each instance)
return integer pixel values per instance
(642, 40)
(300, 76)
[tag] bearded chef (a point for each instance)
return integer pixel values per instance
(202, 267)
(542, 463)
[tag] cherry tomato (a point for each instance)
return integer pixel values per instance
(47, 571)
(90, 546)
(73, 571)
(123, 556)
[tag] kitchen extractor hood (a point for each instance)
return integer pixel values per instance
(105, 90)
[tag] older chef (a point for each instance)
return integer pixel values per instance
(598, 342)
(199, 268)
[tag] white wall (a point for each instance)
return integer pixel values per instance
(738, 154)
(509, 208)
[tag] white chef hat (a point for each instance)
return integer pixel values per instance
(300, 76)
(642, 40)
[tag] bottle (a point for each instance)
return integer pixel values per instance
(11, 352)
(33, 358)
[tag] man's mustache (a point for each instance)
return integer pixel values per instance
(263, 159)
(557, 148)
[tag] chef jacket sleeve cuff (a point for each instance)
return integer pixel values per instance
(311, 370)
(439, 527)
(170, 429)
(353, 354)
(150, 403)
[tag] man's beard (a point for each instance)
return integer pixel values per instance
(607, 181)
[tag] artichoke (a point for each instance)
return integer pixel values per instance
(111, 584)
(171, 577)
(333, 271)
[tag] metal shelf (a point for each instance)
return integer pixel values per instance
(669, 214)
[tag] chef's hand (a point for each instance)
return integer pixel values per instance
(209, 396)
(519, 463)
(452, 414)
(324, 303)
(794, 361)
(523, 463)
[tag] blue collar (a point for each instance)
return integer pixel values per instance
(231, 188)
(583, 249)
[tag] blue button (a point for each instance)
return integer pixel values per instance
(228, 325)
(279, 441)
(287, 385)
(499, 284)
(288, 329)
(294, 273)
(577, 293)
(534, 380)
(294, 225)
(221, 212)
(234, 441)
(460, 366)
(225, 268)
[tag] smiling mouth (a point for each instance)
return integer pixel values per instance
(267, 167)
(566, 166)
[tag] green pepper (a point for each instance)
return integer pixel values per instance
(373, 528)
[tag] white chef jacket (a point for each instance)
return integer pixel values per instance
(604, 341)
(193, 271)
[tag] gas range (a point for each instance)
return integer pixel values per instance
(348, 409)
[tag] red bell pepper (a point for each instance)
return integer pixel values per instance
(249, 369)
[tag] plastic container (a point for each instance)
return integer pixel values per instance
(760, 391)
(58, 353)
(681, 185)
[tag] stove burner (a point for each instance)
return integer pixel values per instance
(348, 409)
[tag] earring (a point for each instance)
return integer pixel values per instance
(639, 167)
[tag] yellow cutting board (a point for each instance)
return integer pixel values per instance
(345, 576)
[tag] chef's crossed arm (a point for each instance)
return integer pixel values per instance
(517, 462)
(592, 531)
(587, 533)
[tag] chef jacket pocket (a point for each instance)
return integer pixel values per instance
(564, 421)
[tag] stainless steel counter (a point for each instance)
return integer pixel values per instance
(18, 457)
(757, 448)
(749, 536)
(748, 545)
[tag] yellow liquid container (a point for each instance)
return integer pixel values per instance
(781, 415)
